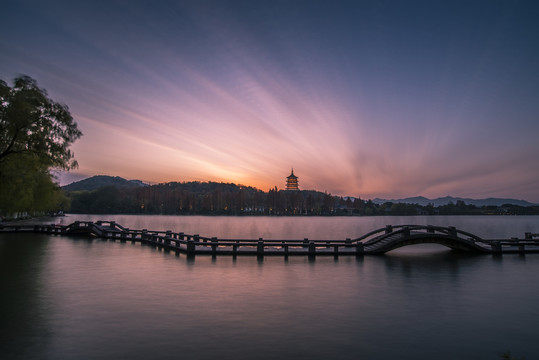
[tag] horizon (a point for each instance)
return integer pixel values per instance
(283, 189)
(376, 99)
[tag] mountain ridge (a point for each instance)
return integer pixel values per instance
(423, 201)
(99, 181)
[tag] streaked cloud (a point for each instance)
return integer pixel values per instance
(361, 99)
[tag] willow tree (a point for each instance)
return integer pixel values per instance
(35, 135)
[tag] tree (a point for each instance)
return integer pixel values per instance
(35, 135)
(31, 122)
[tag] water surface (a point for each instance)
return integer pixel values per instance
(77, 298)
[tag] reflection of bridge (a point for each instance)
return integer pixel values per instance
(375, 242)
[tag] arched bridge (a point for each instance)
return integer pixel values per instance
(392, 237)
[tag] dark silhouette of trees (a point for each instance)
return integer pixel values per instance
(32, 123)
(35, 135)
(210, 198)
(205, 198)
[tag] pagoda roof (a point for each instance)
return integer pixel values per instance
(292, 175)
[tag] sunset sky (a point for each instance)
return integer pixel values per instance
(362, 98)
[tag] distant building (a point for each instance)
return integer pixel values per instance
(292, 182)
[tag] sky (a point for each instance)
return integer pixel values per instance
(361, 98)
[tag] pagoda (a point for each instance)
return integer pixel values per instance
(292, 182)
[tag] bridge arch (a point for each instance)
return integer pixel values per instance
(390, 238)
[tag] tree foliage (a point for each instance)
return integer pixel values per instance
(32, 123)
(35, 135)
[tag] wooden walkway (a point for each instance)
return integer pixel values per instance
(375, 242)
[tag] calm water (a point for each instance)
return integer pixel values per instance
(74, 298)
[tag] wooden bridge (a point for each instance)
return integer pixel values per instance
(375, 242)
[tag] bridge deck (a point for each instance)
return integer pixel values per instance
(375, 242)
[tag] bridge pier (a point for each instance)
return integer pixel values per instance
(191, 247)
(312, 249)
(144, 235)
(260, 248)
(214, 245)
(360, 248)
(496, 247)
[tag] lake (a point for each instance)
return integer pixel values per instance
(80, 298)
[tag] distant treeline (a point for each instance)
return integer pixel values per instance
(210, 198)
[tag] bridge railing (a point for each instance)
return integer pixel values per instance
(388, 229)
(15, 228)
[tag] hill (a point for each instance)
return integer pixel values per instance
(423, 201)
(100, 181)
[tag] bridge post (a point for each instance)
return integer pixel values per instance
(389, 229)
(360, 248)
(235, 248)
(348, 242)
(312, 248)
(168, 236)
(260, 247)
(406, 231)
(496, 247)
(191, 247)
(144, 235)
(306, 242)
(430, 229)
(528, 236)
(452, 231)
(214, 245)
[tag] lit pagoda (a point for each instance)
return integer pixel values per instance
(292, 182)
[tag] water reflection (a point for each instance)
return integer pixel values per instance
(24, 306)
